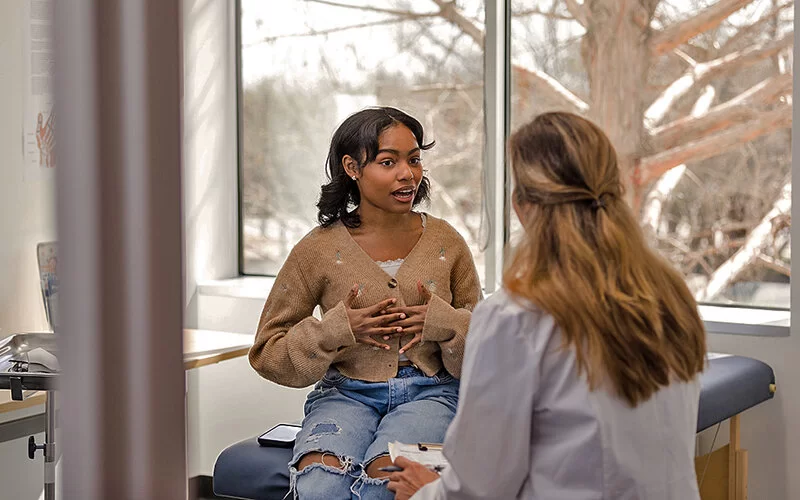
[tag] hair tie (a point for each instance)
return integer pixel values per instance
(598, 203)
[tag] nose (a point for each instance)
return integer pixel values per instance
(405, 172)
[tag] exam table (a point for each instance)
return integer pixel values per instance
(730, 385)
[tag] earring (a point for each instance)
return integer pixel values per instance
(354, 178)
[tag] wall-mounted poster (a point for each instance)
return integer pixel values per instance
(39, 120)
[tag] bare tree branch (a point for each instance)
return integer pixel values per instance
(368, 8)
(667, 182)
(449, 11)
(730, 43)
(543, 13)
(557, 95)
(676, 34)
(758, 239)
(776, 265)
(731, 227)
(551, 89)
(449, 49)
(439, 87)
(577, 10)
(655, 199)
(329, 31)
(706, 71)
(654, 166)
(738, 110)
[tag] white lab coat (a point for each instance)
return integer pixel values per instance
(528, 427)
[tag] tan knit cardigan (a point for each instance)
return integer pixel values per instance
(295, 349)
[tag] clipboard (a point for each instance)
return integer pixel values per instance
(428, 454)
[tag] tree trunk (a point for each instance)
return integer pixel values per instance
(616, 53)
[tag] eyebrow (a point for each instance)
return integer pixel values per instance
(396, 152)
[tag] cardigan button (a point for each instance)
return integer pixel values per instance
(392, 283)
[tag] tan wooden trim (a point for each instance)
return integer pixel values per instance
(8, 405)
(735, 446)
(215, 358)
(741, 475)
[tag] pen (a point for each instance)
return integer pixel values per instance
(394, 468)
(390, 468)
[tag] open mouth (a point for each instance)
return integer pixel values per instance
(404, 195)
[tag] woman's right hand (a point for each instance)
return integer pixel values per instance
(369, 321)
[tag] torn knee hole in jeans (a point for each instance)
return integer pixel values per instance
(370, 462)
(320, 429)
(346, 464)
(365, 479)
(380, 455)
(320, 465)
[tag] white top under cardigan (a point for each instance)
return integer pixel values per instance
(528, 427)
(391, 267)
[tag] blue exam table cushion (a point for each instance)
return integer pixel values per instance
(249, 470)
(730, 385)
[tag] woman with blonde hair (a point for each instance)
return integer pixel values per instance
(580, 376)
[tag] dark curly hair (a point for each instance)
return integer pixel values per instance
(357, 137)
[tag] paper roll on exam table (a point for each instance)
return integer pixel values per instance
(730, 385)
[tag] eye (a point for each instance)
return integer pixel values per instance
(387, 162)
(415, 161)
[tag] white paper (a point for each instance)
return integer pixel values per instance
(432, 458)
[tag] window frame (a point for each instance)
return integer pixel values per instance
(237, 30)
(497, 114)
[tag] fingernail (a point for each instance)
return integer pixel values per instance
(387, 347)
(400, 352)
(383, 312)
(385, 337)
(394, 300)
(402, 316)
(399, 328)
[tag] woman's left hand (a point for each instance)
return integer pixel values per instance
(411, 479)
(414, 320)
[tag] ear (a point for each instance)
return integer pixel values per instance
(350, 166)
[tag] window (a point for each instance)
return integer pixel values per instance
(306, 65)
(695, 95)
(700, 114)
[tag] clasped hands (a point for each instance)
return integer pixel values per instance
(386, 320)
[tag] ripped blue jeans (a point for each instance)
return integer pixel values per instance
(356, 420)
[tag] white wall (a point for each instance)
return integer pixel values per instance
(226, 402)
(26, 193)
(209, 156)
(26, 218)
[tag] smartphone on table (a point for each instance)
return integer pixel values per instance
(280, 436)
